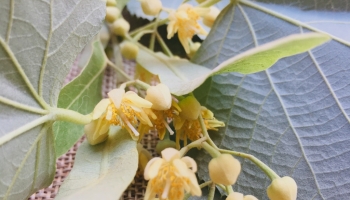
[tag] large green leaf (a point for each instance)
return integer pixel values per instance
(38, 44)
(81, 95)
(102, 171)
(293, 116)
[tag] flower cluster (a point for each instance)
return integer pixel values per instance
(140, 115)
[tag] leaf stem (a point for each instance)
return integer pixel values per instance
(229, 189)
(71, 116)
(266, 169)
(211, 191)
(211, 150)
(196, 143)
(163, 45)
(110, 63)
(205, 131)
(148, 26)
(135, 82)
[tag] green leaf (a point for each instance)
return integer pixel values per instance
(81, 95)
(293, 116)
(264, 56)
(102, 171)
(38, 44)
(178, 74)
(182, 76)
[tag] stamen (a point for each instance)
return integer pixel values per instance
(166, 189)
(168, 127)
(132, 128)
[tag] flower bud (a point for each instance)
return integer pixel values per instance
(194, 48)
(159, 96)
(235, 196)
(120, 27)
(224, 169)
(151, 7)
(144, 157)
(210, 17)
(111, 3)
(112, 13)
(190, 108)
(129, 50)
(283, 189)
(163, 144)
(249, 197)
(97, 131)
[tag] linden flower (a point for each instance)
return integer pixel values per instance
(163, 108)
(191, 129)
(170, 176)
(185, 22)
(123, 109)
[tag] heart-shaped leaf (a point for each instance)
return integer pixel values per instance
(102, 171)
(38, 44)
(81, 95)
(293, 116)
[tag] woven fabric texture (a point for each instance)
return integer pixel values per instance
(65, 163)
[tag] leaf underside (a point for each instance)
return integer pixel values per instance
(38, 43)
(102, 171)
(293, 116)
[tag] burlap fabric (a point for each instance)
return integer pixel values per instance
(65, 163)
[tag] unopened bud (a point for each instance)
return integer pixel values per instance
(283, 189)
(163, 144)
(120, 27)
(235, 196)
(97, 131)
(151, 7)
(111, 3)
(159, 96)
(210, 17)
(194, 48)
(190, 108)
(112, 13)
(224, 169)
(249, 197)
(129, 50)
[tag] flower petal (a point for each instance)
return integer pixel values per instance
(150, 194)
(100, 108)
(136, 100)
(116, 96)
(181, 167)
(152, 168)
(195, 189)
(190, 163)
(169, 154)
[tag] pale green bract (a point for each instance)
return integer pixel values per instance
(81, 95)
(293, 116)
(182, 76)
(102, 171)
(39, 41)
